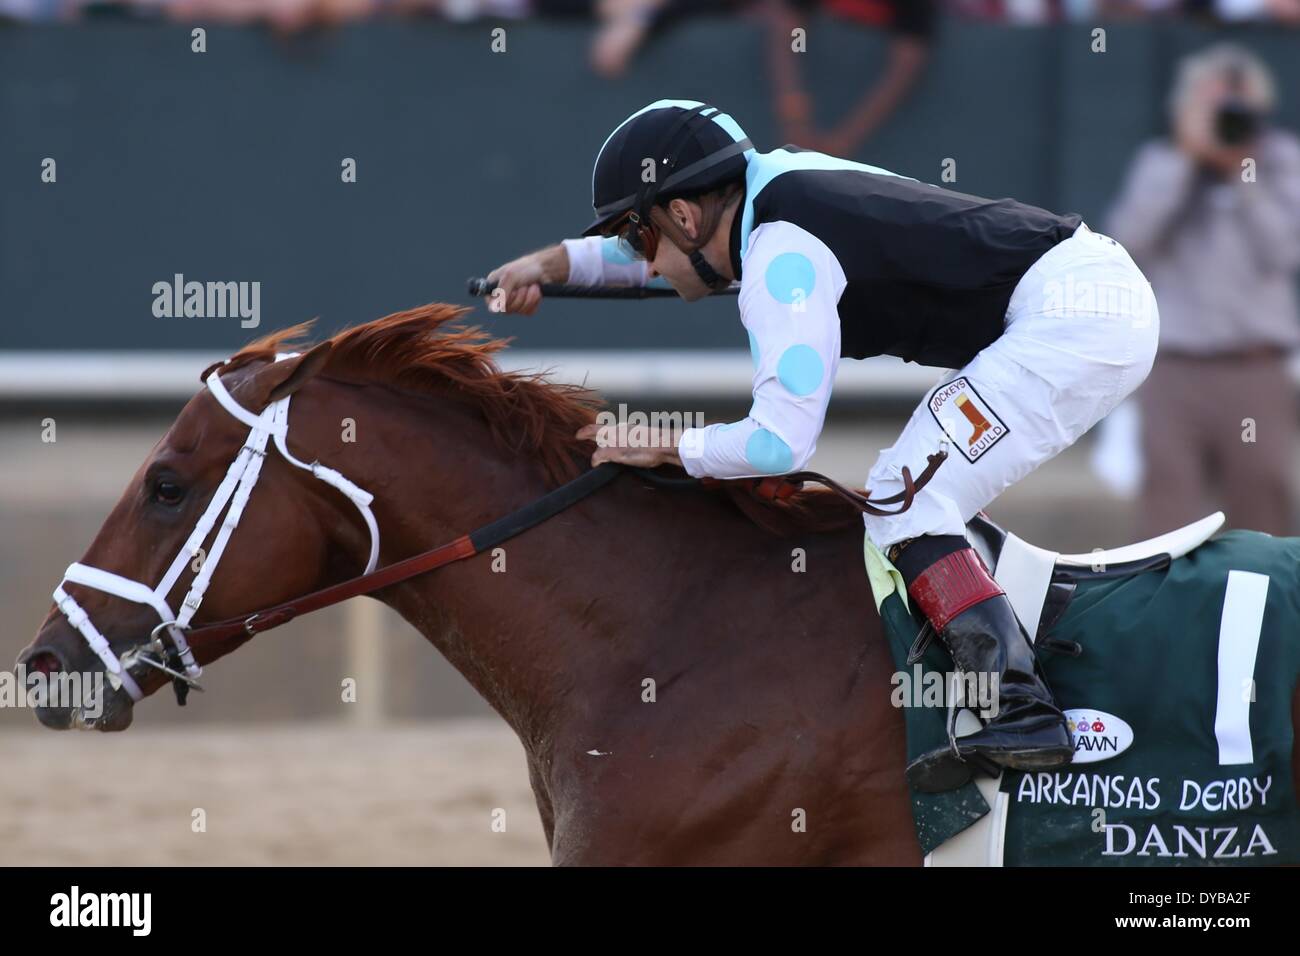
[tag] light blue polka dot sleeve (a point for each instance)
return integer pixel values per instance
(790, 289)
(602, 260)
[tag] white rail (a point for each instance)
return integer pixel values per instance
(719, 373)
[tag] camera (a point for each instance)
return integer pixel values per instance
(1236, 121)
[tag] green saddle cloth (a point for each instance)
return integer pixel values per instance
(1181, 708)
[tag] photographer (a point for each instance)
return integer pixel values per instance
(1212, 216)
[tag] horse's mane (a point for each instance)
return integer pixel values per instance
(419, 350)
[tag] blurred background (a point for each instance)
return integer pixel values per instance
(133, 149)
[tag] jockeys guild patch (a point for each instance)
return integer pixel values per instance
(966, 418)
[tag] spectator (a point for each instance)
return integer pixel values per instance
(1237, 11)
(626, 25)
(1212, 216)
(911, 25)
(29, 9)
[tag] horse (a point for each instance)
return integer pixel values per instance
(697, 676)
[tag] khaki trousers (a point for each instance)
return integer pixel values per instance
(1197, 415)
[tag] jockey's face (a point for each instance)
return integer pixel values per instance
(675, 265)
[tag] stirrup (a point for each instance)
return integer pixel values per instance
(946, 768)
(939, 770)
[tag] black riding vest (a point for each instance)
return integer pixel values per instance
(929, 271)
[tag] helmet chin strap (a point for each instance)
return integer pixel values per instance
(708, 275)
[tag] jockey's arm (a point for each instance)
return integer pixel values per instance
(602, 260)
(789, 294)
(593, 261)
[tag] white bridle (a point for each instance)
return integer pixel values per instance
(235, 488)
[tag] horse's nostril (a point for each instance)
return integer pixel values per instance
(43, 661)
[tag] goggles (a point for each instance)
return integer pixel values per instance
(638, 237)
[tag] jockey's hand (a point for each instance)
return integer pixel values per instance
(638, 445)
(519, 286)
(519, 282)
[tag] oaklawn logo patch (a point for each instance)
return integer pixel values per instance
(1097, 734)
(966, 418)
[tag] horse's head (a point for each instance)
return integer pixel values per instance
(156, 555)
(160, 570)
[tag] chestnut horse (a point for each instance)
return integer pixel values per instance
(771, 685)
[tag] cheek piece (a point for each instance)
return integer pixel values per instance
(272, 423)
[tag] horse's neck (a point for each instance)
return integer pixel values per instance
(565, 621)
(530, 624)
(514, 622)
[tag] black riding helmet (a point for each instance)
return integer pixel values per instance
(693, 148)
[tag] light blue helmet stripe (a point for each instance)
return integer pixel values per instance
(723, 120)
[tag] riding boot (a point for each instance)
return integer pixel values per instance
(973, 618)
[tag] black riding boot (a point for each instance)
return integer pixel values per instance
(973, 618)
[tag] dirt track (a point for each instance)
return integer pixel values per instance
(305, 794)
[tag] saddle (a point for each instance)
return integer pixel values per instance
(1039, 584)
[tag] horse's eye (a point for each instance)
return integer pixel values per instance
(167, 492)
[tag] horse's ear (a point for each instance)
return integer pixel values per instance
(284, 378)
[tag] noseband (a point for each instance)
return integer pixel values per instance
(178, 661)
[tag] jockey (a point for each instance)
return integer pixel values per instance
(1045, 324)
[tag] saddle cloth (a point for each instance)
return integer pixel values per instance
(1180, 705)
